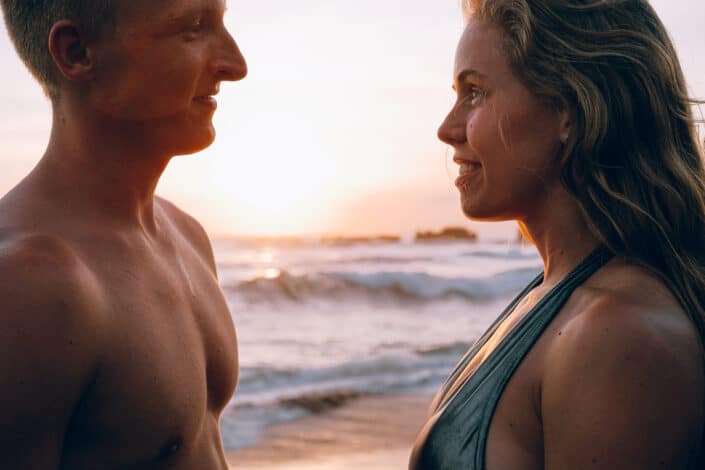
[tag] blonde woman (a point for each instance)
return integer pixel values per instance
(572, 118)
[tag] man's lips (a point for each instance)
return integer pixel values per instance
(208, 96)
(207, 100)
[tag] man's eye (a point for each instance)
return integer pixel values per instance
(196, 25)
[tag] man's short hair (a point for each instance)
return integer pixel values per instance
(30, 21)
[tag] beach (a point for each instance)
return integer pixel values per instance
(342, 346)
(375, 433)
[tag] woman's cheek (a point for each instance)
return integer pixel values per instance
(477, 131)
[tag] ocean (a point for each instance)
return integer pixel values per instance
(320, 323)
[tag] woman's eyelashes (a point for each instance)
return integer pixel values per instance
(472, 96)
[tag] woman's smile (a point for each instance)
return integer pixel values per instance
(466, 170)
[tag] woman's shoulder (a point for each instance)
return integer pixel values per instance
(624, 306)
(635, 304)
(627, 358)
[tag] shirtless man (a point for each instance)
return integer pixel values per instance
(117, 349)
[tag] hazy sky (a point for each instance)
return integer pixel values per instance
(334, 128)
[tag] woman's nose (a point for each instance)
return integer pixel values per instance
(452, 130)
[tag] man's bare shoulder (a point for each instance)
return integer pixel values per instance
(627, 366)
(50, 344)
(41, 273)
(189, 227)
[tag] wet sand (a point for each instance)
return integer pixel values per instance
(374, 433)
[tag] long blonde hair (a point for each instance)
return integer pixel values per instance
(633, 161)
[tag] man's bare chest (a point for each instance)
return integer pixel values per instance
(169, 365)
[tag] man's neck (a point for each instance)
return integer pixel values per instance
(104, 168)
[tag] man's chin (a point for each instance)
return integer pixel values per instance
(195, 144)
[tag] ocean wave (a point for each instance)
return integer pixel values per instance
(266, 396)
(242, 424)
(513, 254)
(378, 287)
(454, 349)
(382, 373)
(353, 260)
(319, 402)
(382, 260)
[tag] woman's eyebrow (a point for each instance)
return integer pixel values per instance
(464, 75)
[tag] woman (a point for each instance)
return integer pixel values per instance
(572, 118)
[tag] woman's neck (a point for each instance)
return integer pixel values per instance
(561, 236)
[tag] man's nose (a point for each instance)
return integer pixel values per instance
(230, 64)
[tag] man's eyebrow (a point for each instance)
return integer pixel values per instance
(463, 76)
(197, 11)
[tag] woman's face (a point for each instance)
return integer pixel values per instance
(506, 141)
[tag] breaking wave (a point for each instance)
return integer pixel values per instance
(378, 287)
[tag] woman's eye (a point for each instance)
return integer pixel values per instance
(474, 97)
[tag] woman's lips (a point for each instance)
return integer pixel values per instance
(467, 167)
(466, 170)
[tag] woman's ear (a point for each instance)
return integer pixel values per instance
(68, 48)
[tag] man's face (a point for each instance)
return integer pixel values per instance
(159, 71)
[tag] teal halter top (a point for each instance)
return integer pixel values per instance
(458, 438)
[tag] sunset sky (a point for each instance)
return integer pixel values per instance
(333, 131)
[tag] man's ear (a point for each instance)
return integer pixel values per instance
(68, 48)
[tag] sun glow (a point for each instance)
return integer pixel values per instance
(332, 131)
(272, 273)
(266, 257)
(274, 173)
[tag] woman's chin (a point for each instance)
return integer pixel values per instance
(483, 212)
(472, 209)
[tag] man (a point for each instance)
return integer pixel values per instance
(117, 349)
